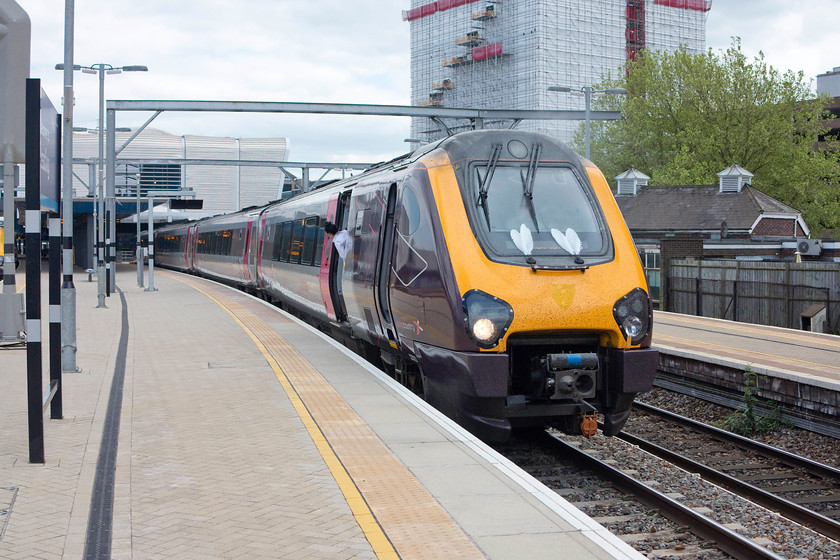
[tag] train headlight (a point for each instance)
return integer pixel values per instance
(487, 318)
(634, 315)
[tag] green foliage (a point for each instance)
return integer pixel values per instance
(689, 116)
(745, 421)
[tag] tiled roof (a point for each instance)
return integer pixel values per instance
(697, 207)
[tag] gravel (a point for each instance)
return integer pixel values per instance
(787, 539)
(823, 449)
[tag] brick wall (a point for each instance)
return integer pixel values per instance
(678, 247)
(795, 396)
(781, 227)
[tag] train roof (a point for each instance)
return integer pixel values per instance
(463, 145)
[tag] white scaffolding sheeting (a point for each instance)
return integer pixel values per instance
(223, 188)
(504, 54)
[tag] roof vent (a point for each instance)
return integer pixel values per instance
(630, 182)
(733, 179)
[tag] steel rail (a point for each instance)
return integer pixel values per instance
(791, 510)
(724, 539)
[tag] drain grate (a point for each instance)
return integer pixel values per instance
(7, 496)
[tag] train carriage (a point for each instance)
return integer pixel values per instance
(491, 271)
(222, 247)
(174, 247)
(291, 252)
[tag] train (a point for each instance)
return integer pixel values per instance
(491, 272)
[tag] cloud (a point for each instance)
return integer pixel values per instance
(250, 50)
(793, 36)
(326, 51)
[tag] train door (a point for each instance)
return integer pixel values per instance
(383, 274)
(194, 246)
(187, 244)
(254, 248)
(332, 266)
(246, 255)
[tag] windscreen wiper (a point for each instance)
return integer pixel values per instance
(528, 181)
(484, 186)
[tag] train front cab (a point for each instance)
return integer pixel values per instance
(541, 335)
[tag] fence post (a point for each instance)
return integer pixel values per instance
(735, 300)
(697, 297)
(788, 315)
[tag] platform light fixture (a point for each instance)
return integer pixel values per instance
(102, 69)
(587, 93)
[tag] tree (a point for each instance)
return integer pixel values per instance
(689, 116)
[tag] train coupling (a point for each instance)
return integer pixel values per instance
(571, 376)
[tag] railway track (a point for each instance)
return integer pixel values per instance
(802, 490)
(655, 523)
(735, 399)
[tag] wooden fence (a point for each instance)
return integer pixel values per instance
(767, 293)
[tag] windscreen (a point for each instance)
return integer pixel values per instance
(543, 211)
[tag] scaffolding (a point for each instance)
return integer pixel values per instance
(504, 54)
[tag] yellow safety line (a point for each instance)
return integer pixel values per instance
(373, 532)
(711, 345)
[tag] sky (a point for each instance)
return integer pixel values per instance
(325, 51)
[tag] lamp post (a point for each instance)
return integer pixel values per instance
(103, 272)
(588, 92)
(138, 249)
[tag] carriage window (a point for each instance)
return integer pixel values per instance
(225, 241)
(310, 235)
(360, 222)
(274, 245)
(319, 246)
(297, 242)
(409, 213)
(285, 242)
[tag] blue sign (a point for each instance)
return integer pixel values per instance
(50, 158)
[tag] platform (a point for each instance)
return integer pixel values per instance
(797, 370)
(775, 351)
(243, 433)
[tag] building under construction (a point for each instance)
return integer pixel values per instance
(504, 54)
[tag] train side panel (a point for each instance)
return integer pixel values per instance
(172, 247)
(291, 254)
(222, 244)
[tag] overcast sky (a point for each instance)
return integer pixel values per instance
(331, 51)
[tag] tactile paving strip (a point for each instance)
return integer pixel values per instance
(411, 519)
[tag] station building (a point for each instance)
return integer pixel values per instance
(225, 174)
(210, 167)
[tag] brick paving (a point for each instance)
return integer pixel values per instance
(202, 470)
(217, 459)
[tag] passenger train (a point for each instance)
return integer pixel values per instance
(491, 272)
